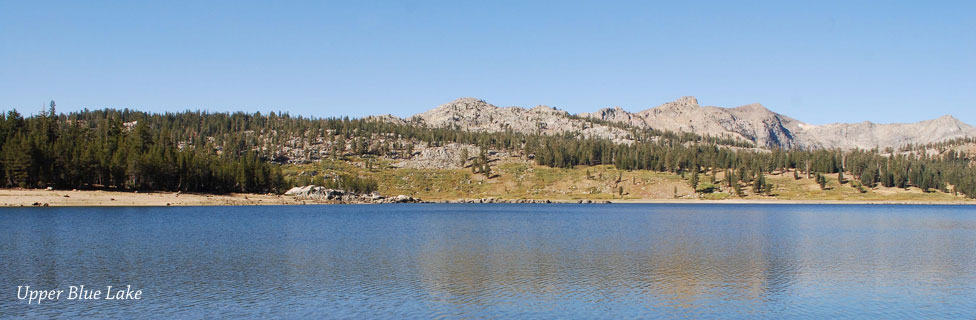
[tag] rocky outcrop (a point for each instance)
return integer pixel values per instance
(496, 200)
(316, 193)
(443, 157)
(752, 123)
(475, 115)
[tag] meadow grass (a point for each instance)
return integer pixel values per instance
(517, 179)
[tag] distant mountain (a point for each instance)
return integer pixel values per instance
(867, 135)
(752, 122)
(766, 128)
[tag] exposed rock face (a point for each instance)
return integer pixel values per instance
(316, 193)
(444, 157)
(496, 200)
(386, 118)
(769, 129)
(868, 135)
(752, 122)
(476, 115)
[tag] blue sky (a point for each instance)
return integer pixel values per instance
(817, 61)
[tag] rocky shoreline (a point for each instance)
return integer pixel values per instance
(323, 194)
(317, 193)
(495, 200)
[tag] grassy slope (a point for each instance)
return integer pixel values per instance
(515, 179)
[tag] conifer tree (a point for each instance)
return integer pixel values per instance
(759, 184)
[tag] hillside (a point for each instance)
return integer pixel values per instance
(516, 179)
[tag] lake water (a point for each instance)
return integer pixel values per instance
(497, 261)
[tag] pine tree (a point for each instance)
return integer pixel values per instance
(728, 178)
(486, 170)
(869, 177)
(482, 164)
(759, 184)
(821, 181)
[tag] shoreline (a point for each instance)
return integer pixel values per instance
(102, 198)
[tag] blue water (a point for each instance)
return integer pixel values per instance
(497, 261)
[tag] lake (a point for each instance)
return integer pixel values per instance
(496, 261)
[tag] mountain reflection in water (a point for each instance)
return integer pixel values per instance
(593, 261)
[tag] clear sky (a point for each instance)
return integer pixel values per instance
(817, 61)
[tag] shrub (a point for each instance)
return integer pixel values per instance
(706, 188)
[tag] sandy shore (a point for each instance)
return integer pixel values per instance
(62, 198)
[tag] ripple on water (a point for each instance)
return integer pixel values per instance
(500, 261)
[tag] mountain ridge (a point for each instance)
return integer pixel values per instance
(752, 122)
(477, 115)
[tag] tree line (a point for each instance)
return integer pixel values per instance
(99, 150)
(870, 168)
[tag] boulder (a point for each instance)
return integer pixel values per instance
(293, 191)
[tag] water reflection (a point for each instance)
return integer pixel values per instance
(606, 261)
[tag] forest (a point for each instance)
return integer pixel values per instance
(239, 152)
(97, 150)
